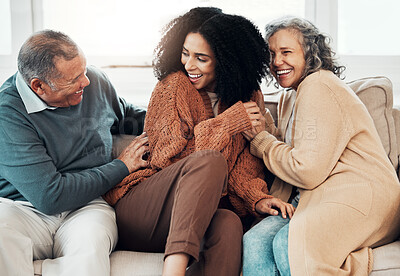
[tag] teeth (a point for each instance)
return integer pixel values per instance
(280, 72)
(77, 92)
(194, 76)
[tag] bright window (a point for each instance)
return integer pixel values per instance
(368, 27)
(5, 27)
(125, 32)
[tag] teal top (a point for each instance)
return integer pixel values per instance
(59, 159)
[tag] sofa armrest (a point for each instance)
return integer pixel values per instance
(396, 118)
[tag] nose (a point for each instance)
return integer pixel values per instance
(277, 60)
(189, 65)
(85, 82)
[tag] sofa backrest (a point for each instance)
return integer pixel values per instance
(396, 118)
(377, 95)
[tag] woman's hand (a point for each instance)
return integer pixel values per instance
(266, 207)
(256, 118)
(134, 153)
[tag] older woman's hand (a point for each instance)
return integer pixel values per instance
(256, 118)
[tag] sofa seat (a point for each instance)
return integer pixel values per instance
(136, 263)
(128, 263)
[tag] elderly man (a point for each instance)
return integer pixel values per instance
(56, 120)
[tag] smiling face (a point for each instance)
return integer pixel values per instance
(68, 89)
(288, 61)
(199, 62)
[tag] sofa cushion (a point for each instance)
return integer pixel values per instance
(377, 95)
(386, 260)
(129, 263)
(120, 142)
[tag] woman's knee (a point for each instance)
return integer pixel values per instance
(252, 238)
(210, 166)
(263, 233)
(212, 159)
(280, 249)
(227, 226)
(280, 242)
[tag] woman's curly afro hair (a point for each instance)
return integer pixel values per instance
(240, 51)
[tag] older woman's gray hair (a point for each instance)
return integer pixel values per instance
(317, 52)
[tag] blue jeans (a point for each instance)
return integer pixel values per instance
(265, 247)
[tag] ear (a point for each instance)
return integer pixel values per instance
(37, 86)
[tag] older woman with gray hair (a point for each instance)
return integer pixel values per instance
(329, 157)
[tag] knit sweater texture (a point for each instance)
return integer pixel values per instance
(60, 159)
(180, 121)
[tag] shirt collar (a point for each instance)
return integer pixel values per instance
(31, 101)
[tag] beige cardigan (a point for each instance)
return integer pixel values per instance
(349, 192)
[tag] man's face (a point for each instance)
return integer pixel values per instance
(68, 89)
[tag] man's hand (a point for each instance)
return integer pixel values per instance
(256, 118)
(265, 206)
(133, 154)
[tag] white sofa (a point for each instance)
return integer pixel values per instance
(376, 93)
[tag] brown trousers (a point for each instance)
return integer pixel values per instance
(175, 211)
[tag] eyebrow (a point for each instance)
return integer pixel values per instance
(197, 54)
(286, 48)
(77, 77)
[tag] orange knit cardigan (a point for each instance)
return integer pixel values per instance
(180, 121)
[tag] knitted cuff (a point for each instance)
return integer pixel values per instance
(235, 119)
(260, 143)
(253, 196)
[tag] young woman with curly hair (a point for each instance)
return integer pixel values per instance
(331, 156)
(209, 65)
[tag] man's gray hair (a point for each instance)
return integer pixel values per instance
(37, 55)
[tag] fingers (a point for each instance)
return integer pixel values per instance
(253, 111)
(142, 150)
(265, 206)
(251, 108)
(290, 210)
(271, 211)
(247, 135)
(287, 209)
(257, 119)
(138, 142)
(134, 155)
(256, 122)
(250, 104)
